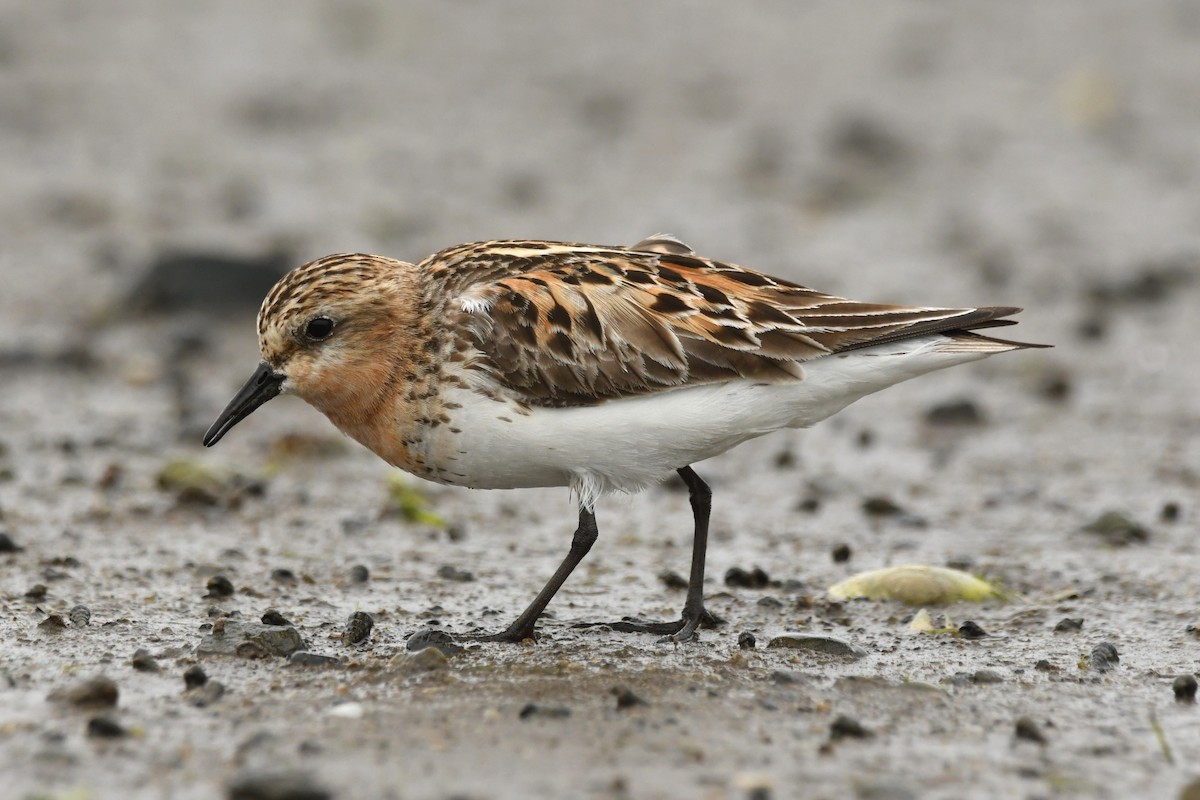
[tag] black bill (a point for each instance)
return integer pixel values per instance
(262, 386)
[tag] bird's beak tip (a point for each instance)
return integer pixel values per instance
(263, 385)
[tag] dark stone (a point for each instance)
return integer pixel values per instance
(303, 658)
(746, 640)
(99, 692)
(1170, 512)
(1184, 688)
(36, 592)
(955, 412)
(8, 545)
(626, 698)
(1069, 625)
(277, 786)
(971, 630)
(1104, 657)
(1028, 730)
(1117, 529)
(194, 676)
(358, 628)
(451, 573)
(547, 712)
(105, 728)
(208, 282)
(283, 575)
(841, 554)
(142, 661)
(273, 617)
(672, 579)
(880, 506)
(429, 637)
(219, 586)
(359, 574)
(845, 727)
(742, 579)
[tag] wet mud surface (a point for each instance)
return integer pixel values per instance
(1027, 154)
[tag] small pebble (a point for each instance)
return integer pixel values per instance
(80, 616)
(809, 505)
(672, 579)
(786, 677)
(841, 554)
(739, 578)
(1104, 657)
(277, 786)
(1169, 512)
(1055, 386)
(626, 698)
(880, 506)
(1117, 529)
(971, 630)
(427, 659)
(955, 412)
(37, 592)
(983, 677)
(1028, 730)
(429, 637)
(206, 695)
(450, 572)
(746, 640)
(548, 712)
(283, 575)
(358, 628)
(143, 661)
(273, 617)
(1044, 665)
(105, 728)
(7, 545)
(99, 692)
(194, 676)
(1069, 624)
(1184, 688)
(845, 727)
(303, 658)
(219, 586)
(359, 574)
(769, 602)
(53, 623)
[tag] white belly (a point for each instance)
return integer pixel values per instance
(628, 444)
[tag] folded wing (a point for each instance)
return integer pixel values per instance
(564, 324)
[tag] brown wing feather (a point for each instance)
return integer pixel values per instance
(564, 324)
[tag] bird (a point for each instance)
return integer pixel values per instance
(511, 364)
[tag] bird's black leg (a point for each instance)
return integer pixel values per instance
(694, 614)
(523, 626)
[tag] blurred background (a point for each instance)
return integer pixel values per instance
(912, 151)
(162, 162)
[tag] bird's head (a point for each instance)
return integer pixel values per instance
(330, 332)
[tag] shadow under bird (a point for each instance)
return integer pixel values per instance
(512, 364)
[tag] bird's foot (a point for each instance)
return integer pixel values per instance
(513, 634)
(680, 630)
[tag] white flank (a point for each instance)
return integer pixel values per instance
(628, 444)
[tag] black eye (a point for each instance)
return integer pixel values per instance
(319, 328)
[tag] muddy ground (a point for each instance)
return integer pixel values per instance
(1037, 154)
